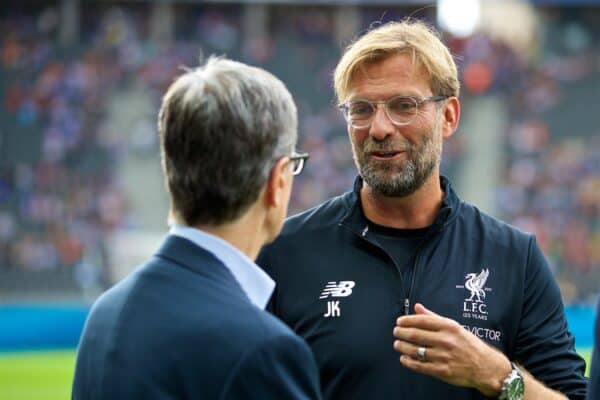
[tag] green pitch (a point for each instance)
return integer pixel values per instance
(587, 355)
(36, 375)
(47, 375)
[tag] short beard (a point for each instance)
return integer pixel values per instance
(392, 180)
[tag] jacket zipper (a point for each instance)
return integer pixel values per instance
(416, 267)
(407, 297)
(413, 278)
(363, 236)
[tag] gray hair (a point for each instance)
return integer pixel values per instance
(222, 127)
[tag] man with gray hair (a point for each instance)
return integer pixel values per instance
(190, 323)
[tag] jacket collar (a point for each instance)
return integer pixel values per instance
(199, 252)
(355, 218)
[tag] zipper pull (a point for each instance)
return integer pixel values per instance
(364, 232)
(406, 306)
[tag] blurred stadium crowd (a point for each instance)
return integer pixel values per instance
(59, 194)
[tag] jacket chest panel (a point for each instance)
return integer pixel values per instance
(350, 303)
(480, 294)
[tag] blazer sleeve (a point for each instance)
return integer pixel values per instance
(594, 389)
(545, 346)
(281, 367)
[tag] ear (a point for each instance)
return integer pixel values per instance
(278, 180)
(450, 117)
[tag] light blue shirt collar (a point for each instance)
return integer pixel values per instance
(253, 280)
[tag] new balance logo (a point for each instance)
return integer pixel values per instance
(333, 289)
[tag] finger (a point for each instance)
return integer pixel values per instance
(417, 336)
(421, 309)
(412, 350)
(438, 370)
(427, 322)
(409, 349)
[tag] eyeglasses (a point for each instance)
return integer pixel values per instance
(298, 160)
(401, 110)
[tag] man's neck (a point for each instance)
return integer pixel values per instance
(417, 210)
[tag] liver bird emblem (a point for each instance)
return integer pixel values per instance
(475, 284)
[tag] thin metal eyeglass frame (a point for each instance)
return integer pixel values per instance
(298, 161)
(375, 104)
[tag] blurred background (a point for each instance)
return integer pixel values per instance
(81, 190)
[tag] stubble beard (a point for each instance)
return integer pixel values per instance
(404, 177)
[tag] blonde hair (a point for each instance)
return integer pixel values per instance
(409, 36)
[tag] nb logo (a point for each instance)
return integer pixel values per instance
(333, 289)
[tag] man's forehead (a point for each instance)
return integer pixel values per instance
(389, 74)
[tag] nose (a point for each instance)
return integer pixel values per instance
(381, 126)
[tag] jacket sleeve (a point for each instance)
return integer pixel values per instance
(594, 390)
(544, 345)
(281, 367)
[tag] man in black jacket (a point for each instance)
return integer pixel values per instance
(401, 267)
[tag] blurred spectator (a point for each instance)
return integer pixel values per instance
(59, 196)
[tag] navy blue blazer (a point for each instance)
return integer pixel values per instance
(181, 327)
(594, 388)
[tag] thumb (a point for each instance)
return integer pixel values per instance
(421, 309)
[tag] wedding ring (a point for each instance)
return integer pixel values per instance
(421, 353)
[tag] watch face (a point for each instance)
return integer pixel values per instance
(516, 389)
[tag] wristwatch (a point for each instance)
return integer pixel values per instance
(513, 386)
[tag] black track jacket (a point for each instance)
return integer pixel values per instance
(341, 291)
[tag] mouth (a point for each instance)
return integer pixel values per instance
(386, 155)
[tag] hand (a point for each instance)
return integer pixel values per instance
(452, 354)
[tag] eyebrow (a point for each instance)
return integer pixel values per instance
(416, 96)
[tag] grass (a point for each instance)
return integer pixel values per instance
(587, 355)
(37, 375)
(47, 375)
